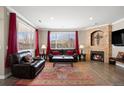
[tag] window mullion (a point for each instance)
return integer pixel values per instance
(56, 42)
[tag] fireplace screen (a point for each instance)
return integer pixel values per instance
(97, 56)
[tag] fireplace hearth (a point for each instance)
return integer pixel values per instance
(97, 56)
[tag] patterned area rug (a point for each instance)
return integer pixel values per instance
(60, 75)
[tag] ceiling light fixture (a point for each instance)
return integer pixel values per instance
(90, 18)
(51, 18)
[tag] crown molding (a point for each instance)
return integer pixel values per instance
(118, 21)
(96, 26)
(20, 16)
(61, 29)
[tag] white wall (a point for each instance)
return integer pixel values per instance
(116, 26)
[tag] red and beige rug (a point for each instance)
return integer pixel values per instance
(60, 75)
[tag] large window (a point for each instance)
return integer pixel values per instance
(26, 36)
(62, 39)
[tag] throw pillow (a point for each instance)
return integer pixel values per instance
(28, 58)
(120, 55)
(56, 53)
(69, 52)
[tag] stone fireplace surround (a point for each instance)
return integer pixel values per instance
(104, 45)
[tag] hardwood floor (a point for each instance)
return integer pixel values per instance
(104, 73)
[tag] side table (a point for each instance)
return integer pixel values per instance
(44, 56)
(82, 57)
(111, 61)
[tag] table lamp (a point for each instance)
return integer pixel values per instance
(43, 47)
(81, 48)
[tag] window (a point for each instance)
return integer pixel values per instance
(26, 36)
(62, 39)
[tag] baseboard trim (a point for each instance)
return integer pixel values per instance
(8, 75)
(2, 77)
(5, 76)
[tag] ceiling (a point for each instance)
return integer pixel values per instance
(57, 17)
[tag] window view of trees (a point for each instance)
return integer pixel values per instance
(25, 40)
(25, 36)
(62, 39)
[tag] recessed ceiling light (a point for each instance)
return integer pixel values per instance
(51, 18)
(90, 18)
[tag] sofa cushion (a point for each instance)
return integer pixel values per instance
(69, 52)
(56, 53)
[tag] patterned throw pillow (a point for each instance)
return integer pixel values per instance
(28, 58)
(120, 55)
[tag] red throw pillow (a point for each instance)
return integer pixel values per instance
(56, 53)
(69, 52)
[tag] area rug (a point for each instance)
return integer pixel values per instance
(60, 75)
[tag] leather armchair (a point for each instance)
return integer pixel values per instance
(21, 69)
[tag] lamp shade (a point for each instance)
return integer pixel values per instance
(81, 46)
(43, 47)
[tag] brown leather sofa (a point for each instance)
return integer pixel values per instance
(22, 69)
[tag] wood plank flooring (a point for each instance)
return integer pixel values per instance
(105, 74)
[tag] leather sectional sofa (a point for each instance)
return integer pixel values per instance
(22, 68)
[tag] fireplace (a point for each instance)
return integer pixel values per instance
(97, 56)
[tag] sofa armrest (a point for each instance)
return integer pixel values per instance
(75, 55)
(50, 55)
(37, 58)
(38, 62)
(112, 58)
(21, 70)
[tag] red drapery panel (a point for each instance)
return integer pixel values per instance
(76, 42)
(48, 42)
(12, 37)
(37, 43)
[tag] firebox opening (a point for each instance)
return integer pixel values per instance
(97, 56)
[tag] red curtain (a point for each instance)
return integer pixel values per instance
(37, 43)
(48, 42)
(12, 37)
(76, 42)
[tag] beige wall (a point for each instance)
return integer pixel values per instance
(82, 39)
(4, 26)
(4, 20)
(2, 42)
(42, 38)
(116, 26)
